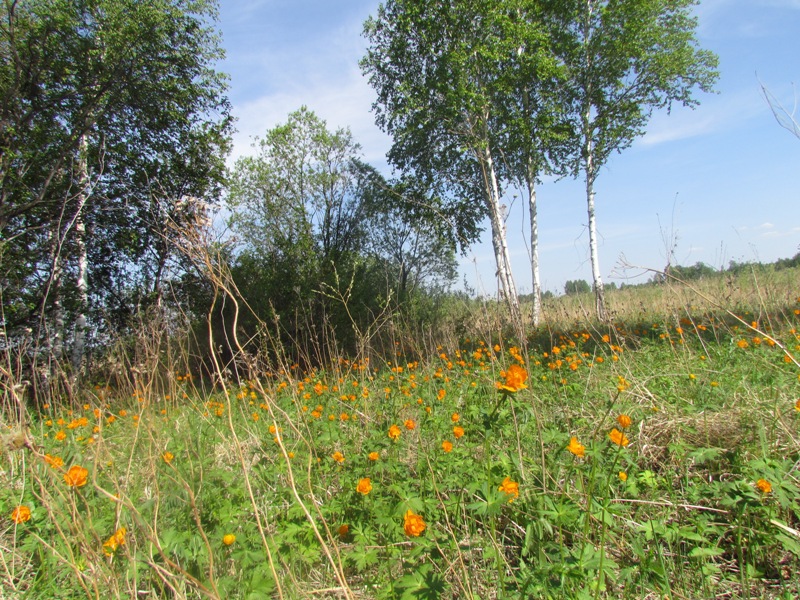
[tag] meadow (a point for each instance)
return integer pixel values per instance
(655, 456)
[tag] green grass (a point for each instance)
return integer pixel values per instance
(676, 513)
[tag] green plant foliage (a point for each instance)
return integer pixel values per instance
(133, 83)
(646, 458)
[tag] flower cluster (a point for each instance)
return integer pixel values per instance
(510, 488)
(76, 476)
(514, 379)
(413, 524)
(115, 541)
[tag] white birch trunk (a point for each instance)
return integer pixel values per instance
(55, 366)
(79, 341)
(56, 337)
(590, 171)
(536, 313)
(599, 295)
(499, 241)
(530, 182)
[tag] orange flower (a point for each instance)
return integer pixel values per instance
(373, 456)
(364, 486)
(338, 457)
(576, 447)
(515, 378)
(511, 488)
(458, 431)
(394, 432)
(115, 541)
(797, 405)
(228, 539)
(344, 530)
(623, 476)
(413, 524)
(76, 476)
(410, 424)
(61, 436)
(167, 457)
(624, 421)
(447, 446)
(21, 514)
(54, 461)
(764, 486)
(441, 394)
(619, 438)
(455, 417)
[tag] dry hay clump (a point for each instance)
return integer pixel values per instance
(660, 436)
(226, 453)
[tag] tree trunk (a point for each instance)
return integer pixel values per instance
(536, 283)
(508, 289)
(55, 338)
(530, 184)
(590, 169)
(79, 341)
(600, 302)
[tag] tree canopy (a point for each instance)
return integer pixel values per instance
(480, 95)
(111, 115)
(324, 242)
(625, 59)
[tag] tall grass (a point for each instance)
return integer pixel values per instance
(655, 456)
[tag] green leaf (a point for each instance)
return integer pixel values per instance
(705, 552)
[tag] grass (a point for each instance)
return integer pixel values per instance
(414, 476)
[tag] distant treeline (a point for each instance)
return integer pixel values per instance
(695, 272)
(701, 270)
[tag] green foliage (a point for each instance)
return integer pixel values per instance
(579, 286)
(697, 499)
(134, 82)
(325, 246)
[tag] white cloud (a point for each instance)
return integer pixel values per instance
(772, 234)
(321, 73)
(343, 102)
(715, 113)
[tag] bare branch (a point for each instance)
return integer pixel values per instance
(786, 119)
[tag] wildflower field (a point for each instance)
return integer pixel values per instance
(653, 457)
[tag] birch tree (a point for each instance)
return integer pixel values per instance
(532, 118)
(626, 58)
(433, 66)
(105, 106)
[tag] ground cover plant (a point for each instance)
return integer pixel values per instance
(653, 457)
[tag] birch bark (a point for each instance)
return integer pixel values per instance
(499, 240)
(590, 168)
(79, 340)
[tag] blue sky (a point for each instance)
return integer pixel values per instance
(714, 184)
